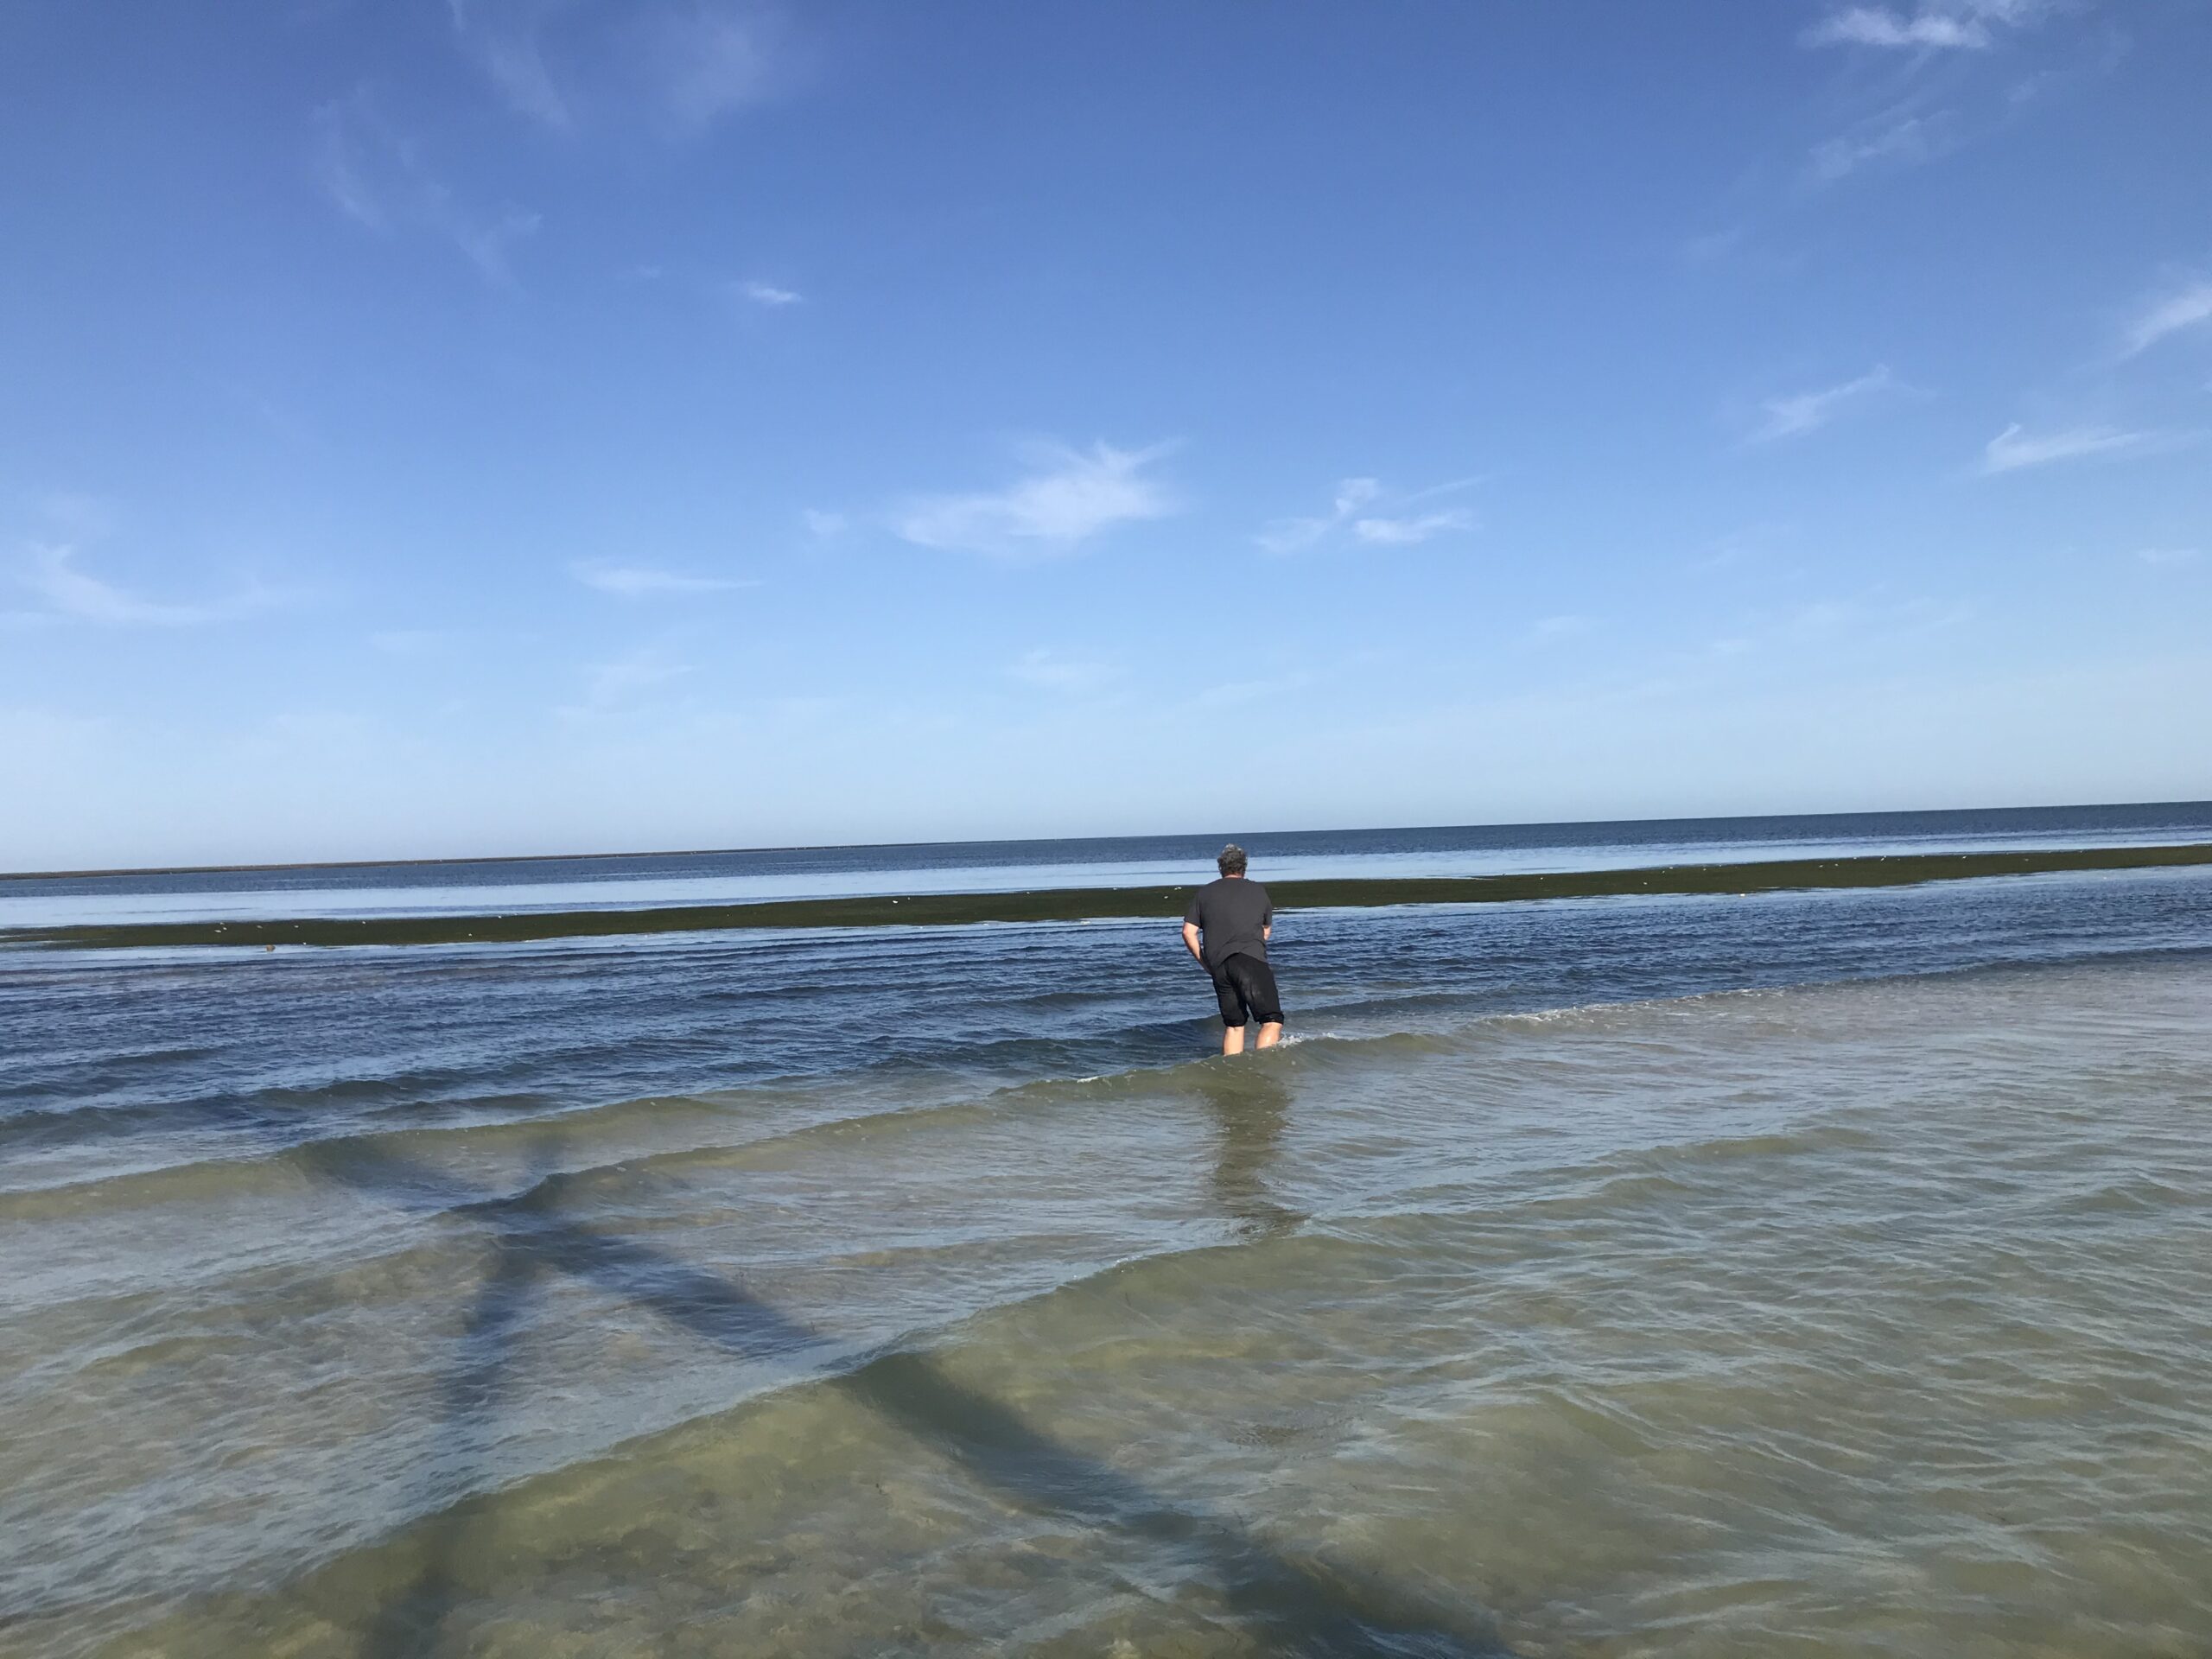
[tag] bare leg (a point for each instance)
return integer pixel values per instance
(1232, 1040)
(1271, 1033)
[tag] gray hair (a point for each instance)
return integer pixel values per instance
(1230, 861)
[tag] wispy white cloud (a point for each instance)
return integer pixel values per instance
(506, 39)
(2108, 52)
(1408, 532)
(1891, 140)
(2015, 447)
(2168, 556)
(340, 165)
(485, 238)
(685, 64)
(824, 526)
(1049, 671)
(1068, 497)
(611, 686)
(1354, 509)
(1808, 411)
(2183, 308)
(72, 593)
(638, 582)
(1933, 26)
(768, 294)
(1290, 535)
(1875, 620)
(709, 61)
(1910, 131)
(377, 176)
(1932, 29)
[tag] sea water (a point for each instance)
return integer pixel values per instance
(1822, 1273)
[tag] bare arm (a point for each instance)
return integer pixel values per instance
(1190, 943)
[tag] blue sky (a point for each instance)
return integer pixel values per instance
(472, 426)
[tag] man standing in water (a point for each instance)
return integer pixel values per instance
(1235, 917)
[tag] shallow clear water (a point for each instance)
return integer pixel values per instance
(1803, 1274)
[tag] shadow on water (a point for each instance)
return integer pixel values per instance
(1251, 1104)
(408, 1622)
(1289, 1603)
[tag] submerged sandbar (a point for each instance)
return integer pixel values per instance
(1093, 904)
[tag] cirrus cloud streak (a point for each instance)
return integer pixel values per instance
(72, 593)
(1067, 498)
(638, 582)
(2016, 448)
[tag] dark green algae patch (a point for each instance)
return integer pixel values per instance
(1089, 904)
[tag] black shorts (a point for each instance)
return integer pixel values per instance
(1246, 987)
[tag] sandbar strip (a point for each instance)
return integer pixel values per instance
(1091, 903)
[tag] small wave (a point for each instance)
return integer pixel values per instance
(654, 1134)
(273, 1167)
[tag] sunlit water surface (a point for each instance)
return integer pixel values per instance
(1807, 1274)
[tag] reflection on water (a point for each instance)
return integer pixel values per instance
(1251, 1102)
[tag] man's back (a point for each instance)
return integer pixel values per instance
(1233, 913)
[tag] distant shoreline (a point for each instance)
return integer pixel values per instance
(1096, 904)
(1011, 841)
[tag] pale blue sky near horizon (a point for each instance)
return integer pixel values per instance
(458, 427)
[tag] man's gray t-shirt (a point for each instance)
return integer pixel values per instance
(1233, 914)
